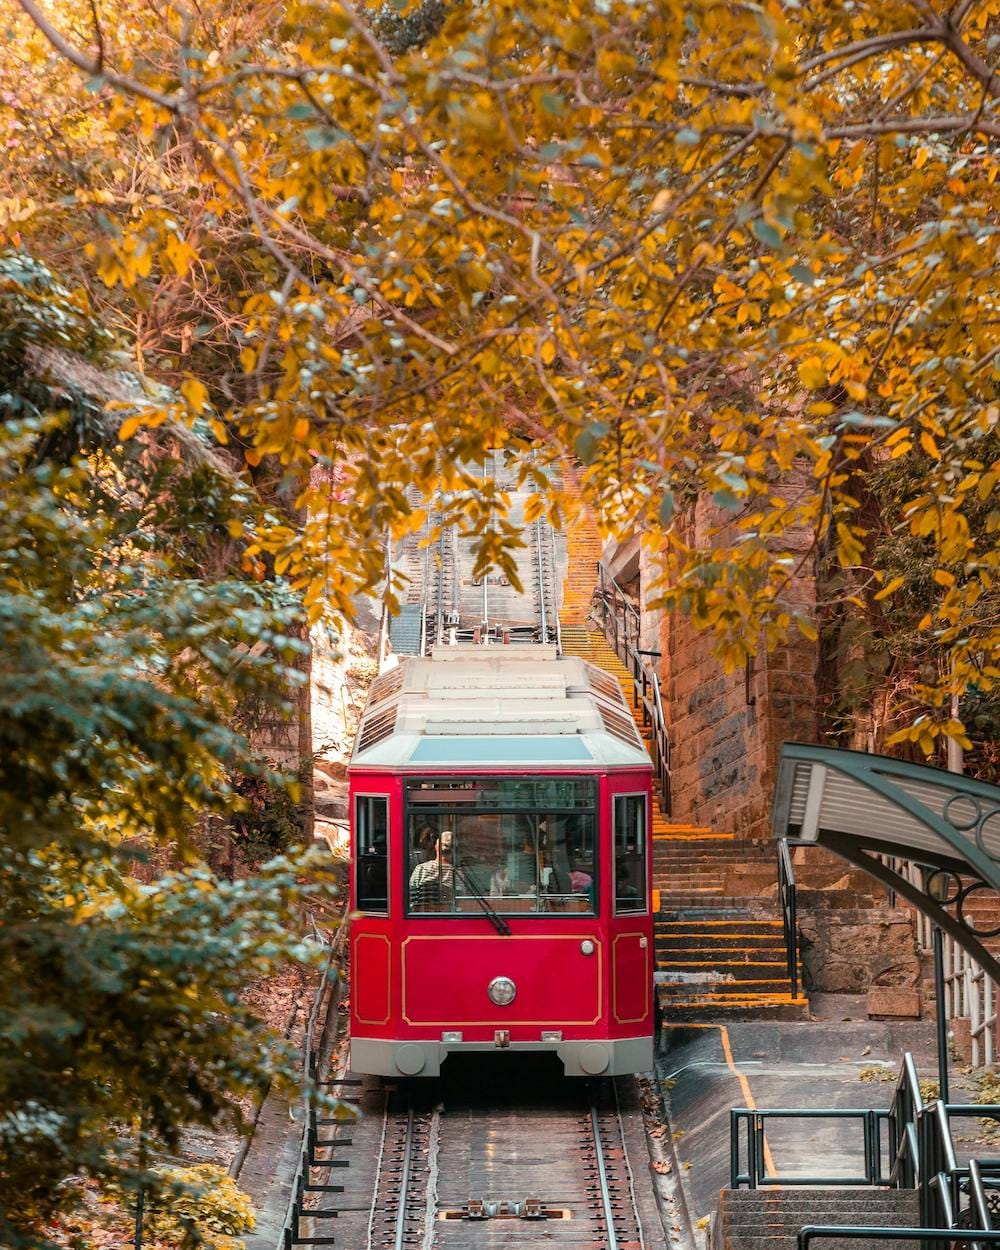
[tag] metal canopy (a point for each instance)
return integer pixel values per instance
(873, 811)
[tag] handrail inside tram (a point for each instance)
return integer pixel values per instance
(494, 917)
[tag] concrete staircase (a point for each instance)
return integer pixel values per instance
(732, 968)
(770, 1219)
(719, 944)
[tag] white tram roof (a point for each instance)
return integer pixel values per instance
(471, 706)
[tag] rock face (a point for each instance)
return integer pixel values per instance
(852, 951)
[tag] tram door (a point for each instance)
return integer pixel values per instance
(371, 952)
(630, 927)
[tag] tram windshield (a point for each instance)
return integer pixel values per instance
(527, 845)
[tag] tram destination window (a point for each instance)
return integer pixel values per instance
(630, 853)
(522, 845)
(371, 831)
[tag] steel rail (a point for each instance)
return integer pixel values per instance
(379, 1159)
(543, 624)
(404, 1183)
(554, 567)
(628, 1165)
(602, 1175)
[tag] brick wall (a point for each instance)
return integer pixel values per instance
(727, 729)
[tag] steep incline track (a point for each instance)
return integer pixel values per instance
(494, 1173)
(457, 606)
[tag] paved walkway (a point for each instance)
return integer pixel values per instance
(708, 1069)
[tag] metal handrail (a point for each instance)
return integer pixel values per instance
(815, 1232)
(921, 1156)
(621, 625)
(786, 891)
(756, 1174)
(904, 1144)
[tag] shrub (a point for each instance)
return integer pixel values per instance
(199, 1206)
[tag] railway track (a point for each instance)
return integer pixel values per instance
(477, 1172)
(457, 606)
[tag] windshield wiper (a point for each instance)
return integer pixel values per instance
(495, 919)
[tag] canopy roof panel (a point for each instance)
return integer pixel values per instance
(889, 806)
(875, 812)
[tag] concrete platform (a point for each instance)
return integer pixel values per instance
(708, 1069)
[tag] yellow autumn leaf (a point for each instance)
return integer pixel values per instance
(890, 588)
(929, 445)
(195, 394)
(128, 428)
(943, 577)
(812, 373)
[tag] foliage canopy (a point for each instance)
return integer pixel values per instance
(120, 667)
(719, 250)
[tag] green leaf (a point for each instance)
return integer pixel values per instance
(588, 441)
(766, 233)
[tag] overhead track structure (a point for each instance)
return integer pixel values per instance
(874, 811)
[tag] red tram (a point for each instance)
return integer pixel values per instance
(500, 816)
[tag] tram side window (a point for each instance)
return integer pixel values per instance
(371, 825)
(630, 853)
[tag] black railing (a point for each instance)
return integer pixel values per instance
(916, 1151)
(620, 621)
(816, 1232)
(322, 1015)
(755, 1174)
(905, 1112)
(786, 893)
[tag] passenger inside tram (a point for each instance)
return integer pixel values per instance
(432, 883)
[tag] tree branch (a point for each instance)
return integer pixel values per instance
(94, 67)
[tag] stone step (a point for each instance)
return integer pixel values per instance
(724, 907)
(681, 947)
(761, 1241)
(701, 914)
(679, 983)
(688, 970)
(668, 939)
(789, 1223)
(671, 859)
(694, 890)
(709, 956)
(714, 1011)
(677, 882)
(763, 987)
(854, 1197)
(722, 845)
(740, 923)
(733, 901)
(690, 885)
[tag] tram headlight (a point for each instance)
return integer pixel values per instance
(502, 991)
